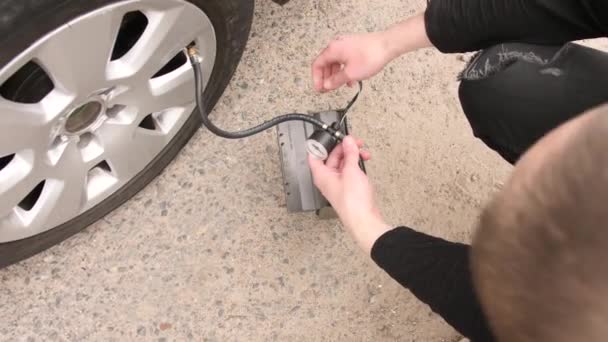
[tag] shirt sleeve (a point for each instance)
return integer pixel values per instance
(470, 25)
(437, 272)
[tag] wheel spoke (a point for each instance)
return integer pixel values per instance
(76, 58)
(128, 148)
(20, 114)
(175, 89)
(16, 181)
(167, 33)
(25, 126)
(64, 192)
(61, 200)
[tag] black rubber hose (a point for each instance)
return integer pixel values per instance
(199, 86)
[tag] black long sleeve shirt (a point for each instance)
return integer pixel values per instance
(434, 270)
(469, 25)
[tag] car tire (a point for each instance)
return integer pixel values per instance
(22, 23)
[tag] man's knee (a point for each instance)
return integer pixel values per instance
(513, 94)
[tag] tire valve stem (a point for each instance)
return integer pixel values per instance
(193, 54)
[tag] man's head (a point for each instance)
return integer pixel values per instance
(540, 252)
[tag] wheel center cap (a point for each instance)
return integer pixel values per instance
(83, 117)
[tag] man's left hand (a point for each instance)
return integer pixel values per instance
(350, 192)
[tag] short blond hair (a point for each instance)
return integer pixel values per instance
(538, 253)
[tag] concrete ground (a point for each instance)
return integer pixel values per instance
(207, 252)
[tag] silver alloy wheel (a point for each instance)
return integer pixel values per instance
(84, 140)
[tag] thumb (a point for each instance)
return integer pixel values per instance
(320, 172)
(351, 152)
(336, 80)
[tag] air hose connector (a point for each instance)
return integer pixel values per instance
(193, 55)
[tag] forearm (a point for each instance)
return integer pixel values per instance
(366, 229)
(406, 36)
(437, 272)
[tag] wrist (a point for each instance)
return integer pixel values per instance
(391, 46)
(367, 230)
(407, 36)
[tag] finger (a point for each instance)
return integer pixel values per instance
(335, 68)
(321, 174)
(365, 155)
(318, 66)
(330, 55)
(320, 70)
(351, 152)
(335, 157)
(333, 54)
(336, 81)
(326, 75)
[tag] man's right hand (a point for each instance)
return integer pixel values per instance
(348, 59)
(353, 58)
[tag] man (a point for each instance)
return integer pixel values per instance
(501, 97)
(537, 255)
